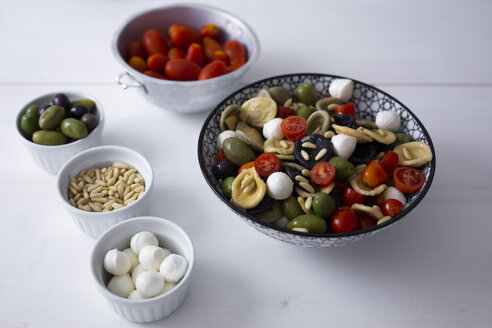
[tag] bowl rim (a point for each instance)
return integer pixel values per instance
(232, 75)
(311, 235)
(30, 143)
(154, 219)
(101, 215)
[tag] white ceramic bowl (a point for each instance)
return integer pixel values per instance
(95, 223)
(51, 158)
(171, 236)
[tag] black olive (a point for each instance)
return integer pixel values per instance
(321, 143)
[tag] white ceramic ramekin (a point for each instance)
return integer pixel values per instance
(52, 158)
(95, 223)
(171, 236)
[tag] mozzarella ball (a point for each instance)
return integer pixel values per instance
(173, 267)
(149, 283)
(137, 271)
(279, 185)
(168, 286)
(116, 262)
(341, 89)
(272, 129)
(135, 295)
(343, 145)
(121, 285)
(394, 193)
(223, 136)
(150, 257)
(142, 239)
(133, 258)
(388, 120)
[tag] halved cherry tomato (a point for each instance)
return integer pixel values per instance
(344, 220)
(210, 30)
(138, 63)
(236, 52)
(155, 74)
(347, 109)
(374, 175)
(154, 43)
(182, 70)
(175, 53)
(220, 156)
(350, 196)
(209, 47)
(366, 221)
(408, 179)
(220, 55)
(389, 162)
(392, 207)
(213, 69)
(156, 63)
(284, 112)
(195, 54)
(246, 166)
(266, 164)
(293, 127)
(135, 48)
(323, 173)
(182, 36)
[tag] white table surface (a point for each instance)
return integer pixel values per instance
(433, 269)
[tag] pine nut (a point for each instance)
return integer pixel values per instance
(308, 203)
(305, 155)
(300, 229)
(306, 172)
(309, 145)
(300, 178)
(283, 144)
(321, 153)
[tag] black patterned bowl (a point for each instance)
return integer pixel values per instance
(368, 99)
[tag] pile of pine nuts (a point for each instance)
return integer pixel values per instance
(106, 189)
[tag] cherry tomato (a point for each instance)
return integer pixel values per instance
(213, 69)
(209, 47)
(293, 127)
(266, 164)
(246, 166)
(220, 156)
(392, 207)
(182, 36)
(182, 70)
(284, 112)
(323, 173)
(374, 175)
(408, 179)
(135, 48)
(138, 63)
(210, 30)
(344, 220)
(377, 200)
(156, 63)
(236, 52)
(155, 74)
(389, 162)
(175, 53)
(350, 196)
(195, 54)
(366, 221)
(220, 55)
(154, 43)
(347, 109)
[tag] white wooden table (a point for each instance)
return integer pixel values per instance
(433, 269)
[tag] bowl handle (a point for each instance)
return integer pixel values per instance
(132, 81)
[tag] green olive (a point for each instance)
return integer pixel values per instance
(29, 125)
(90, 120)
(237, 151)
(305, 112)
(324, 205)
(291, 207)
(402, 138)
(86, 102)
(49, 138)
(306, 94)
(51, 117)
(227, 186)
(32, 111)
(73, 128)
(279, 94)
(311, 222)
(343, 168)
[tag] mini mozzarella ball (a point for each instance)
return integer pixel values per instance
(388, 120)
(394, 193)
(121, 285)
(343, 145)
(137, 271)
(142, 239)
(167, 287)
(173, 267)
(116, 262)
(272, 129)
(279, 185)
(149, 283)
(341, 89)
(150, 257)
(135, 295)
(223, 136)
(133, 258)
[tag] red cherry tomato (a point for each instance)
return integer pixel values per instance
(220, 156)
(220, 55)
(347, 109)
(156, 63)
(135, 48)
(155, 74)
(195, 54)
(366, 221)
(182, 70)
(389, 162)
(182, 36)
(344, 220)
(209, 47)
(266, 164)
(210, 30)
(138, 63)
(374, 175)
(175, 53)
(408, 179)
(323, 173)
(236, 52)
(284, 112)
(246, 166)
(154, 43)
(350, 196)
(213, 69)
(293, 127)
(392, 207)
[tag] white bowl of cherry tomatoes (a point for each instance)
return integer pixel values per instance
(316, 160)
(184, 57)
